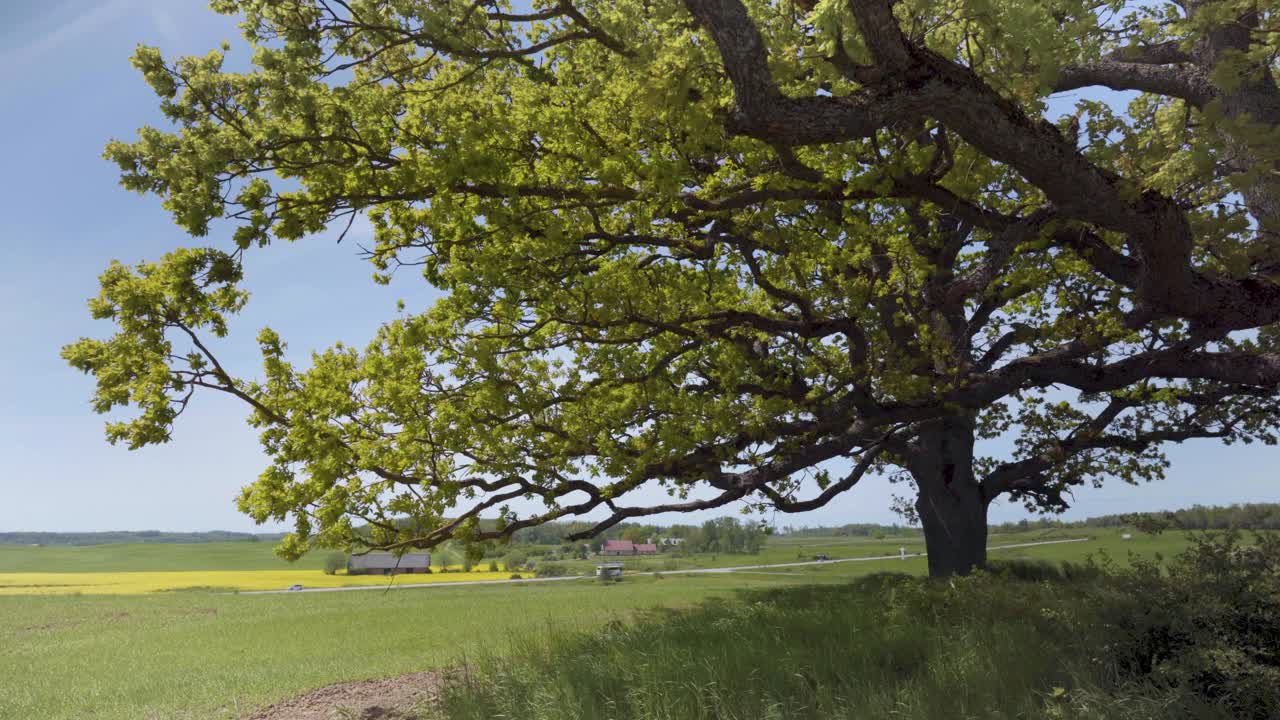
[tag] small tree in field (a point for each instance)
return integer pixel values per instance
(721, 248)
(333, 562)
(514, 562)
(445, 557)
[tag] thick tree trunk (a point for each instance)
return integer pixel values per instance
(1249, 93)
(950, 502)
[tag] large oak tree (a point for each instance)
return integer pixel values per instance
(720, 247)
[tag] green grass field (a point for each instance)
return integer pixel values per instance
(206, 655)
(154, 557)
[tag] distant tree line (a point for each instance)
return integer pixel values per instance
(1247, 516)
(555, 533)
(132, 536)
(1250, 516)
(726, 534)
(851, 530)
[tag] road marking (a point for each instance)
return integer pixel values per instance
(692, 571)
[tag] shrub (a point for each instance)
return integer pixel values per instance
(1026, 570)
(333, 562)
(1044, 571)
(1207, 625)
(493, 566)
(550, 569)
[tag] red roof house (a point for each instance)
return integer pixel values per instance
(646, 549)
(618, 547)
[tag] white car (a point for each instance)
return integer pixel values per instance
(295, 588)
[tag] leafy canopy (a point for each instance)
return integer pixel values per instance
(712, 245)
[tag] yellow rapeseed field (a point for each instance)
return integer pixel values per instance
(135, 583)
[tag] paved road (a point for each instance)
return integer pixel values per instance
(398, 586)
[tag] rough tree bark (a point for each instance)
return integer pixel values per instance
(950, 502)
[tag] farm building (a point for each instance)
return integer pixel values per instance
(626, 547)
(618, 547)
(383, 563)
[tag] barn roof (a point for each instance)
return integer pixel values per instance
(388, 561)
(626, 545)
(646, 547)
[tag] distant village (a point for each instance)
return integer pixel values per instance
(385, 563)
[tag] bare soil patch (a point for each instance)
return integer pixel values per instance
(396, 698)
(47, 627)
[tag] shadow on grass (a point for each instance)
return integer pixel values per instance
(1024, 640)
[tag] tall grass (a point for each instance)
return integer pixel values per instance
(1027, 640)
(857, 651)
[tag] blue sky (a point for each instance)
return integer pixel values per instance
(67, 89)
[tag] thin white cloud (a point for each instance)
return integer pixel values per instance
(23, 59)
(164, 23)
(19, 60)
